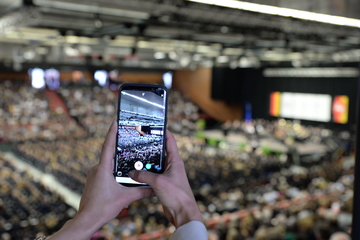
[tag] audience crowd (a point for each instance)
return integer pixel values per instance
(283, 201)
(25, 114)
(93, 107)
(67, 159)
(26, 207)
(134, 147)
(246, 189)
(129, 137)
(182, 114)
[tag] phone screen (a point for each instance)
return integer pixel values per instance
(140, 140)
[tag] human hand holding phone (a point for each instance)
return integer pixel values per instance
(103, 198)
(172, 187)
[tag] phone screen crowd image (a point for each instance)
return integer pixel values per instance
(141, 131)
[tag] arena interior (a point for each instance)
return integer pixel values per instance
(262, 101)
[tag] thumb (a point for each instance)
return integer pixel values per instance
(142, 176)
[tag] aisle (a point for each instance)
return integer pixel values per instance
(56, 101)
(71, 198)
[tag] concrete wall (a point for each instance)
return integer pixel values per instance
(197, 86)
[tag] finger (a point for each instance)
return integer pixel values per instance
(141, 192)
(172, 151)
(171, 147)
(108, 148)
(143, 177)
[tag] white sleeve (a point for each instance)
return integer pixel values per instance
(194, 230)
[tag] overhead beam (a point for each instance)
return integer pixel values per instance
(92, 9)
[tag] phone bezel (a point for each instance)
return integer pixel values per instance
(140, 87)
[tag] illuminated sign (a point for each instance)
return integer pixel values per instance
(52, 78)
(312, 107)
(340, 109)
(101, 76)
(168, 78)
(37, 78)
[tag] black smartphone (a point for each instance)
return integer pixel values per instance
(140, 139)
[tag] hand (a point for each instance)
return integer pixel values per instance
(172, 187)
(103, 198)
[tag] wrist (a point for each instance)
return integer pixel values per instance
(81, 227)
(88, 223)
(187, 213)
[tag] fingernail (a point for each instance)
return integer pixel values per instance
(132, 173)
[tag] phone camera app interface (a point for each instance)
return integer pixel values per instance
(141, 131)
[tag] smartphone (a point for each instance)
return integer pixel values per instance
(140, 139)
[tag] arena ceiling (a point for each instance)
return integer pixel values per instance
(179, 33)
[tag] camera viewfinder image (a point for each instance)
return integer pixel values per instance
(141, 131)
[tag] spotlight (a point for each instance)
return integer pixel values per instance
(97, 22)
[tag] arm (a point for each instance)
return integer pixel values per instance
(173, 190)
(191, 230)
(103, 198)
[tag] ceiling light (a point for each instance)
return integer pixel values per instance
(85, 49)
(203, 48)
(208, 64)
(197, 57)
(172, 55)
(29, 53)
(296, 63)
(98, 23)
(224, 29)
(222, 59)
(142, 99)
(233, 51)
(159, 55)
(71, 51)
(284, 12)
(244, 62)
(234, 64)
(184, 60)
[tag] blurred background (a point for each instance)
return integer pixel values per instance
(263, 104)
